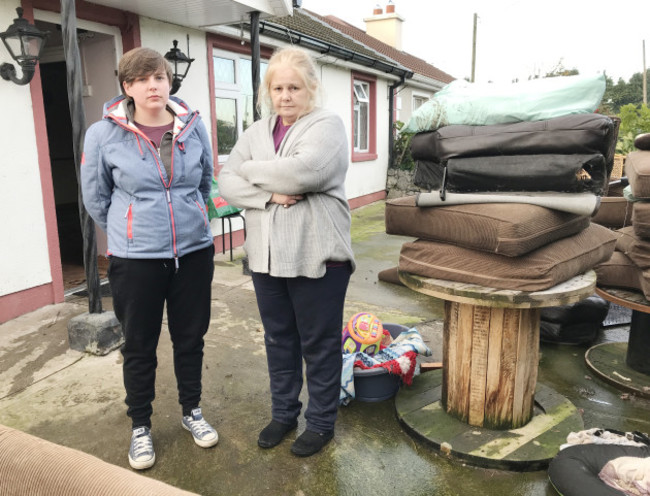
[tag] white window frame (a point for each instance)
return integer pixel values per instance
(234, 91)
(418, 96)
(361, 90)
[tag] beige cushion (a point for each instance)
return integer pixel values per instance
(538, 270)
(504, 228)
(619, 272)
(641, 218)
(34, 466)
(637, 169)
(633, 246)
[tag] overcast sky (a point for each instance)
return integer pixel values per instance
(515, 38)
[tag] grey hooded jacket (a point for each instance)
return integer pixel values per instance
(146, 211)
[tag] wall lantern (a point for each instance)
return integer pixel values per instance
(24, 41)
(181, 64)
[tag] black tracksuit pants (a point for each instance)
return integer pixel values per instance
(303, 319)
(140, 289)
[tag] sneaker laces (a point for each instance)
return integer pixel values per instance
(142, 445)
(200, 426)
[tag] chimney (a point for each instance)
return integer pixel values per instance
(385, 27)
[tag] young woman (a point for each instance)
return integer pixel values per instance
(146, 177)
(288, 172)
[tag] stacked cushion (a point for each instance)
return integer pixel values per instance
(629, 266)
(495, 227)
(537, 270)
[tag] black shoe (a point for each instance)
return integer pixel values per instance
(310, 442)
(273, 433)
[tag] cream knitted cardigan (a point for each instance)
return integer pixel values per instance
(312, 160)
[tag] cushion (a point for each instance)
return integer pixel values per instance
(613, 212)
(641, 218)
(390, 275)
(495, 227)
(634, 247)
(642, 141)
(591, 309)
(30, 465)
(637, 169)
(618, 272)
(538, 270)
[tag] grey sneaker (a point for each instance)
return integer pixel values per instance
(203, 433)
(141, 453)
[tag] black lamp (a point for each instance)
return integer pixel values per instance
(24, 41)
(181, 63)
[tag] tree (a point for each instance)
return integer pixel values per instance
(635, 119)
(620, 94)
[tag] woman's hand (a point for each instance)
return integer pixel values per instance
(285, 200)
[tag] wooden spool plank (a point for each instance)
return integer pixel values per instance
(493, 382)
(527, 357)
(449, 351)
(462, 380)
(479, 358)
(501, 416)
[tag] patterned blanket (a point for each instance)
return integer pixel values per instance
(399, 358)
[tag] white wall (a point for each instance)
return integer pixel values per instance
(24, 261)
(363, 177)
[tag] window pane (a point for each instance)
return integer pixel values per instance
(224, 70)
(363, 126)
(246, 84)
(226, 109)
(418, 101)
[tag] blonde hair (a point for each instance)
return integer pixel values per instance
(300, 61)
(139, 62)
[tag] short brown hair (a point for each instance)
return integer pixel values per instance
(139, 62)
(302, 63)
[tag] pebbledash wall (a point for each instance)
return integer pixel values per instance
(30, 260)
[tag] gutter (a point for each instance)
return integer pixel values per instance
(391, 117)
(326, 48)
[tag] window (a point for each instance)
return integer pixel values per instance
(361, 113)
(364, 120)
(418, 101)
(233, 93)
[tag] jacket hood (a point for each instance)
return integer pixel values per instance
(120, 109)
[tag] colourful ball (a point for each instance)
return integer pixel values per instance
(362, 333)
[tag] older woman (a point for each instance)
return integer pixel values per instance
(288, 172)
(146, 178)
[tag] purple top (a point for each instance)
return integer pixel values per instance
(155, 133)
(279, 130)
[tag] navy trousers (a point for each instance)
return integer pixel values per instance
(140, 290)
(303, 319)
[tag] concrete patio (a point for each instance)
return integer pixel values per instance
(76, 400)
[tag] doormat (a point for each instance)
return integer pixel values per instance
(617, 315)
(104, 290)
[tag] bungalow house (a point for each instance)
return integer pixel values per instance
(41, 243)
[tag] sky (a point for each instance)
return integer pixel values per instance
(515, 38)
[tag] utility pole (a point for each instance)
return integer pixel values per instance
(645, 79)
(474, 48)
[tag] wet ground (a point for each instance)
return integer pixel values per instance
(77, 400)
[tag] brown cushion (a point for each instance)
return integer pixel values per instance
(390, 275)
(637, 169)
(538, 270)
(504, 228)
(641, 218)
(613, 212)
(618, 272)
(30, 465)
(633, 246)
